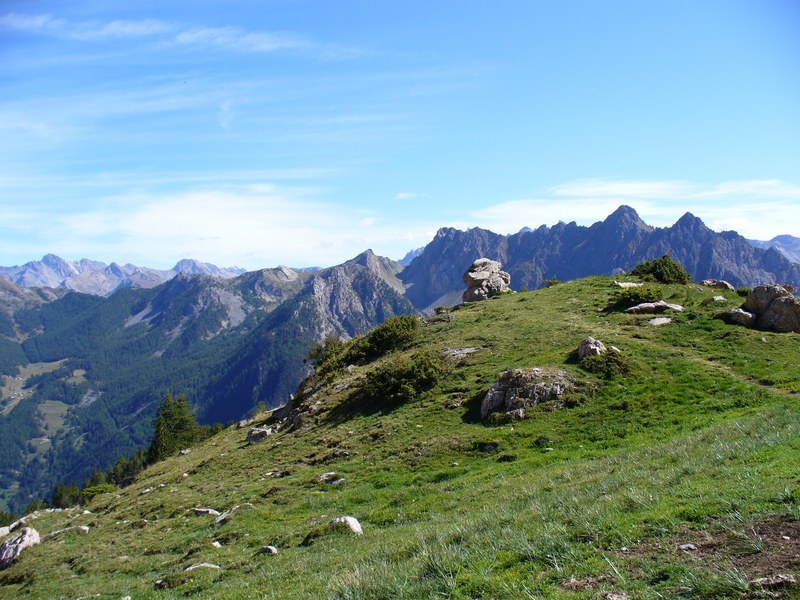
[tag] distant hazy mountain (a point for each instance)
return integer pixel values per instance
(787, 245)
(410, 255)
(100, 279)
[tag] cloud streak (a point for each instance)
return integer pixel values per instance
(252, 226)
(174, 34)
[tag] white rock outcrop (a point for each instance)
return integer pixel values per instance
(13, 546)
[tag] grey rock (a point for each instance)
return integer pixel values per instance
(738, 316)
(331, 478)
(775, 581)
(783, 315)
(761, 296)
(4, 531)
(203, 565)
(484, 279)
(52, 534)
(654, 307)
(687, 548)
(350, 524)
(627, 284)
(257, 434)
(719, 284)
(590, 347)
(271, 550)
(660, 321)
(520, 388)
(13, 546)
(226, 516)
(205, 511)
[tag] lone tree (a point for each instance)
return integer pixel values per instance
(174, 427)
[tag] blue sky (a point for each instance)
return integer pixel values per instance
(302, 132)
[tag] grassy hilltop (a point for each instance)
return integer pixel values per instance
(697, 443)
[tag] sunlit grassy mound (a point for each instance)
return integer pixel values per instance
(672, 475)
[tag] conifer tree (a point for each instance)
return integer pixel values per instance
(174, 427)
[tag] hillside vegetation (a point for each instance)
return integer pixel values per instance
(672, 474)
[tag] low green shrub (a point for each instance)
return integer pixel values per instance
(90, 492)
(332, 355)
(401, 378)
(607, 365)
(662, 270)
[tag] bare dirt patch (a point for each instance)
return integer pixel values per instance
(767, 551)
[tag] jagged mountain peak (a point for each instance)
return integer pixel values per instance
(626, 217)
(690, 222)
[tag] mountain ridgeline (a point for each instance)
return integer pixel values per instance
(83, 374)
(570, 251)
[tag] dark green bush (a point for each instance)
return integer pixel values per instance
(743, 291)
(607, 365)
(662, 270)
(401, 378)
(332, 355)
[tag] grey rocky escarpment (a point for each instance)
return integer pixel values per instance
(517, 389)
(484, 279)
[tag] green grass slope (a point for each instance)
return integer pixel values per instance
(699, 443)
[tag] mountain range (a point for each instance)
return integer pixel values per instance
(98, 278)
(95, 277)
(83, 373)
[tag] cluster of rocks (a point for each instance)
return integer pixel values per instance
(518, 389)
(25, 536)
(768, 307)
(484, 279)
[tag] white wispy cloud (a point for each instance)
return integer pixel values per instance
(234, 38)
(252, 226)
(409, 195)
(604, 188)
(85, 30)
(170, 34)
